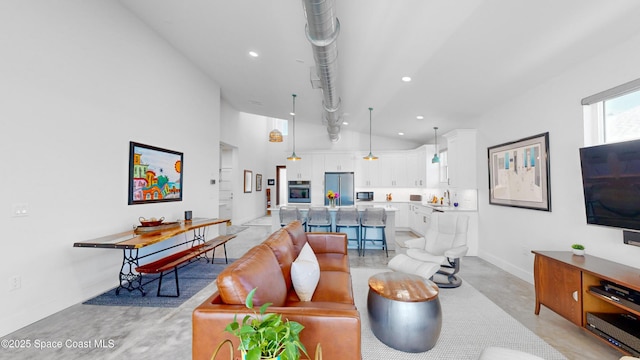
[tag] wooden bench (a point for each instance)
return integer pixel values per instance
(173, 261)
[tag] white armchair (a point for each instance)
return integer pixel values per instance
(444, 244)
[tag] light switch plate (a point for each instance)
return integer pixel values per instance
(20, 209)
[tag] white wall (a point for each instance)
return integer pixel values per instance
(507, 235)
(248, 133)
(80, 79)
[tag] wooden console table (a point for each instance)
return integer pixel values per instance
(563, 281)
(131, 242)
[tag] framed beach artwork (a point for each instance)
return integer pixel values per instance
(519, 173)
(258, 182)
(155, 174)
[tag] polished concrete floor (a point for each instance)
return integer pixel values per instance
(159, 333)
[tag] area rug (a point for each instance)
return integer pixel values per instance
(470, 323)
(192, 278)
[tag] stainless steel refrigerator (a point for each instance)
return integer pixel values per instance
(342, 183)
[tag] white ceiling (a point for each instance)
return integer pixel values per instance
(465, 57)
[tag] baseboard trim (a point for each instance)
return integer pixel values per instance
(508, 267)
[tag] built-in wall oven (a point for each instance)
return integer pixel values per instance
(299, 192)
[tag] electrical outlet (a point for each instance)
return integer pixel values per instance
(15, 283)
(20, 209)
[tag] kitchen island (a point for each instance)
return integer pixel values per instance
(390, 230)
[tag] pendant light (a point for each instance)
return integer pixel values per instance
(275, 136)
(370, 156)
(435, 159)
(293, 156)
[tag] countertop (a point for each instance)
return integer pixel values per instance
(388, 205)
(359, 206)
(446, 208)
(437, 207)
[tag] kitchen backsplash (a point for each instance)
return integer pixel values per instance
(467, 199)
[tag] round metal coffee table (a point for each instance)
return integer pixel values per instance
(404, 311)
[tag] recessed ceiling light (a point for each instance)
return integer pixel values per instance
(345, 123)
(400, 133)
(419, 117)
(253, 54)
(292, 113)
(406, 78)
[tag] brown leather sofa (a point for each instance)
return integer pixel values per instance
(330, 318)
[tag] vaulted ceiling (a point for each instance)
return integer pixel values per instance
(464, 57)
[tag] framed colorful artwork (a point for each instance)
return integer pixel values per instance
(519, 173)
(155, 174)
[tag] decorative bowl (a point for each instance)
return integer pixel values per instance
(151, 221)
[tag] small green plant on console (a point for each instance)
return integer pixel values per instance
(266, 336)
(578, 249)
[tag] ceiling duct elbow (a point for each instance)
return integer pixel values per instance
(322, 31)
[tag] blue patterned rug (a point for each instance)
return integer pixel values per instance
(192, 278)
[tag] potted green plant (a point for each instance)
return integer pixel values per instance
(578, 249)
(267, 336)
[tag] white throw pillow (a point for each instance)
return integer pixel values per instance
(305, 273)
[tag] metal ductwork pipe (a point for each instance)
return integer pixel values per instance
(322, 31)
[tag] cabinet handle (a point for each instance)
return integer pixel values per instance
(575, 296)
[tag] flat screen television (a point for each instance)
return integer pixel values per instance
(611, 182)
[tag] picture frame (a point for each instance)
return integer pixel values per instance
(258, 182)
(519, 173)
(271, 182)
(248, 178)
(155, 174)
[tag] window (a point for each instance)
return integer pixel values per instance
(613, 115)
(622, 118)
(282, 125)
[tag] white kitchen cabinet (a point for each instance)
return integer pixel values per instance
(392, 171)
(402, 215)
(301, 169)
(421, 173)
(461, 157)
(366, 172)
(340, 162)
(414, 177)
(419, 218)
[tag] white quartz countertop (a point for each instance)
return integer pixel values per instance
(437, 207)
(447, 208)
(361, 207)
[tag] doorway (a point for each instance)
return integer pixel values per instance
(225, 207)
(281, 185)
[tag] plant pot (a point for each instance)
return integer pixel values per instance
(578, 252)
(332, 203)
